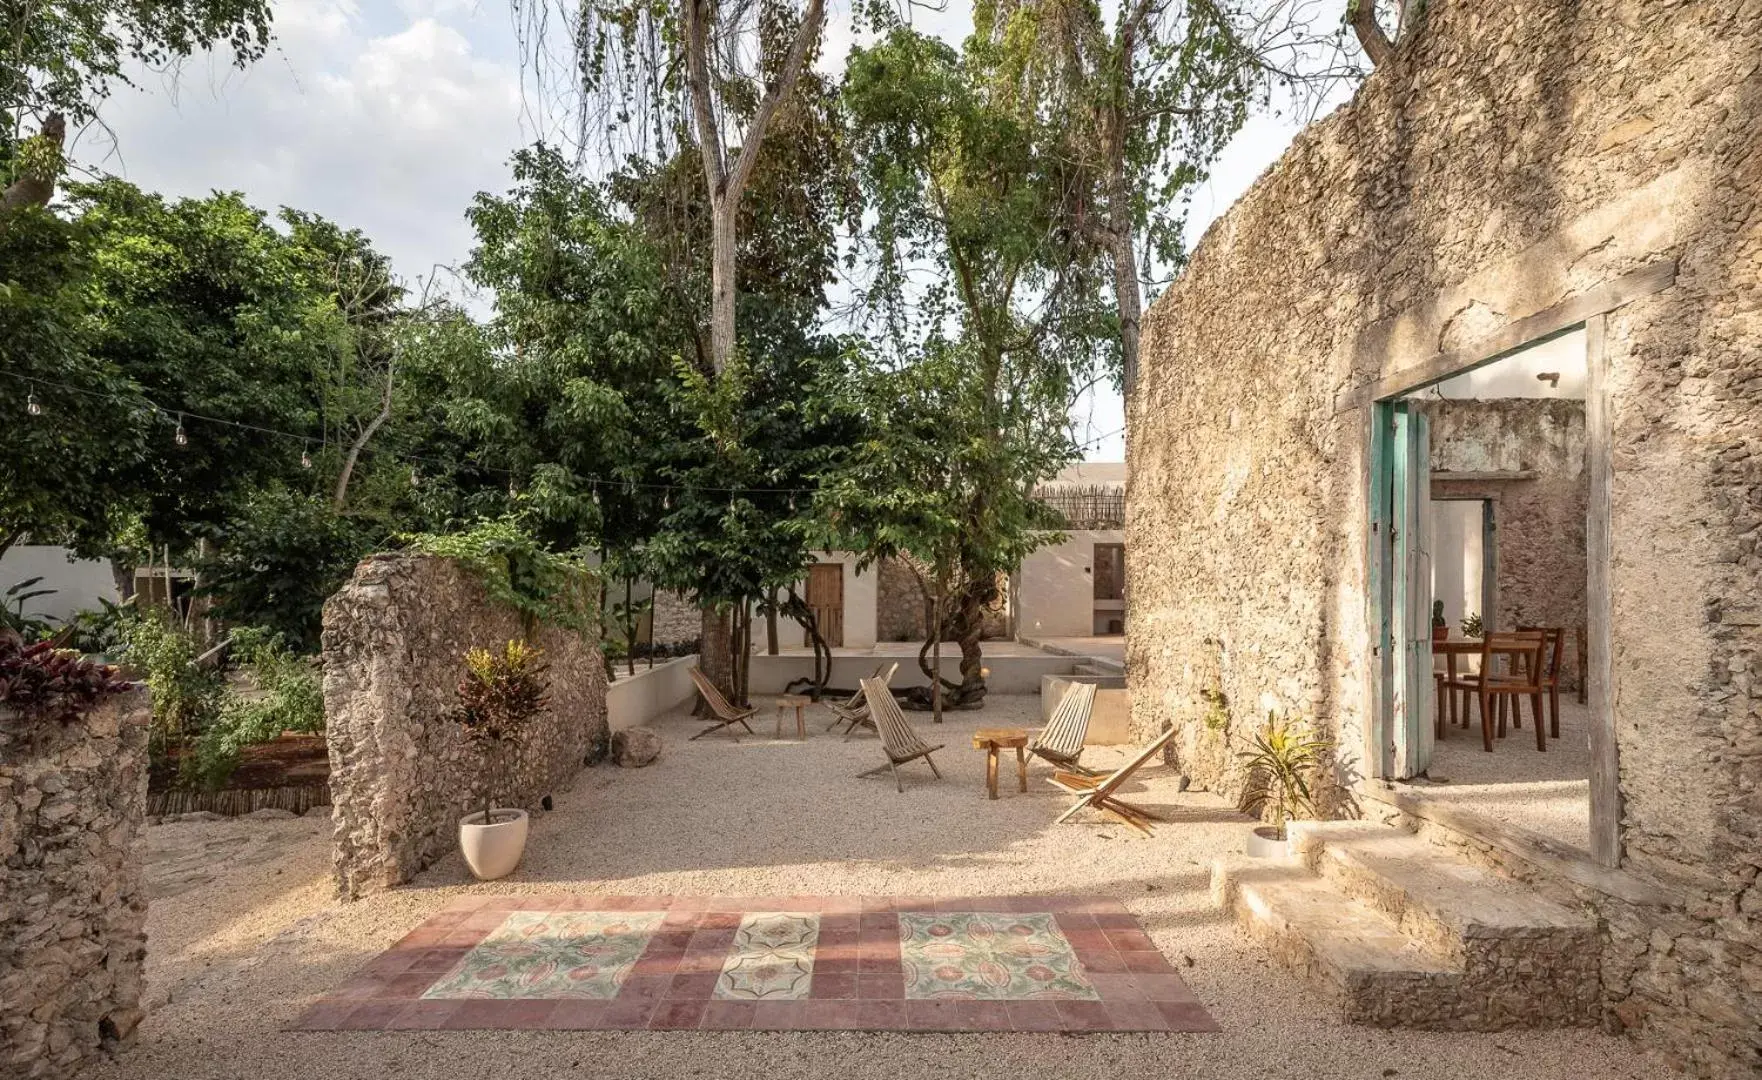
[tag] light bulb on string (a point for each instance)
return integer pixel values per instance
(305, 457)
(178, 436)
(415, 477)
(31, 406)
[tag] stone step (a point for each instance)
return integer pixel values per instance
(1377, 974)
(1407, 934)
(1458, 909)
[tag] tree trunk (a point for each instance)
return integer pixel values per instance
(972, 625)
(722, 282)
(771, 625)
(629, 631)
(715, 650)
(936, 656)
(1362, 15)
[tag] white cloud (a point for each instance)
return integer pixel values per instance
(391, 132)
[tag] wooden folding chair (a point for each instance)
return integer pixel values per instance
(1097, 792)
(726, 715)
(1061, 740)
(853, 712)
(898, 740)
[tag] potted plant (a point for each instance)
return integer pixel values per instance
(1283, 755)
(1440, 626)
(1471, 626)
(502, 691)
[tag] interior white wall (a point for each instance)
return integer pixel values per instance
(1456, 558)
(1515, 375)
(78, 583)
(1055, 592)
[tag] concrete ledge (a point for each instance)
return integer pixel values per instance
(636, 699)
(1008, 674)
(1110, 723)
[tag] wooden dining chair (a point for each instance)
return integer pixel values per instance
(1553, 656)
(1500, 696)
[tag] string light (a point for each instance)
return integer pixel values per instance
(178, 436)
(415, 477)
(31, 406)
(305, 458)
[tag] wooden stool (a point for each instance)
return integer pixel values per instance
(801, 703)
(991, 740)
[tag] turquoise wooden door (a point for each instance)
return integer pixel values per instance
(1409, 562)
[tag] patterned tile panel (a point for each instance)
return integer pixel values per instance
(989, 956)
(551, 954)
(772, 958)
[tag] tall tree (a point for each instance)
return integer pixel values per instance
(712, 74)
(975, 269)
(1143, 107)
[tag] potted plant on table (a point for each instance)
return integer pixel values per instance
(1472, 626)
(1440, 625)
(1279, 764)
(502, 691)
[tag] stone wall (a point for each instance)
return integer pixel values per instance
(903, 610)
(401, 772)
(676, 619)
(1509, 158)
(901, 613)
(73, 907)
(1541, 571)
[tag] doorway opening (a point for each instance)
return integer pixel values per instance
(1481, 503)
(825, 597)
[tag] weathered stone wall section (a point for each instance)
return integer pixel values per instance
(1508, 158)
(73, 904)
(676, 619)
(1541, 572)
(401, 772)
(900, 612)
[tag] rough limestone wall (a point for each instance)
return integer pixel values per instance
(900, 614)
(73, 906)
(401, 772)
(1508, 158)
(1541, 570)
(676, 619)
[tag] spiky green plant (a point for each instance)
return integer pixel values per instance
(1283, 756)
(502, 690)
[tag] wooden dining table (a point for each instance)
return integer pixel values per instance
(1450, 649)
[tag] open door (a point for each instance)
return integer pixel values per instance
(1409, 561)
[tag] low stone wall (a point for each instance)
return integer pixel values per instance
(73, 908)
(401, 772)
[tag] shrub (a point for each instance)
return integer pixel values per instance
(501, 692)
(290, 697)
(517, 570)
(186, 698)
(44, 684)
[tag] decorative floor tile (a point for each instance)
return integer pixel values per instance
(772, 958)
(985, 956)
(552, 955)
(546, 961)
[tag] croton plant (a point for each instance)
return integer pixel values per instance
(42, 683)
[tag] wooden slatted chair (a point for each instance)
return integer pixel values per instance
(726, 715)
(898, 740)
(1061, 740)
(1097, 792)
(853, 712)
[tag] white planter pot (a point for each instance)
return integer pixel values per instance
(493, 851)
(1264, 843)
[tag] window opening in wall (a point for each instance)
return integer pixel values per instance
(1110, 589)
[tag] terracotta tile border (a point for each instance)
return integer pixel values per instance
(858, 980)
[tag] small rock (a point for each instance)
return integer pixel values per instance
(635, 747)
(270, 813)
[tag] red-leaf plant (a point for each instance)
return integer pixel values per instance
(42, 683)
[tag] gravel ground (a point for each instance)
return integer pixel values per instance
(236, 955)
(1548, 793)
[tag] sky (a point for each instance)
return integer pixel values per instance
(389, 115)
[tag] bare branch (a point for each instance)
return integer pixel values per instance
(805, 36)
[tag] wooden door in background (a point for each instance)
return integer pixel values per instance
(826, 599)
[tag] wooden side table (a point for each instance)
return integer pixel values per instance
(801, 703)
(992, 740)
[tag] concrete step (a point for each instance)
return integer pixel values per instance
(1459, 909)
(1408, 934)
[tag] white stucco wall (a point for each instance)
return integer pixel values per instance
(1055, 590)
(78, 583)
